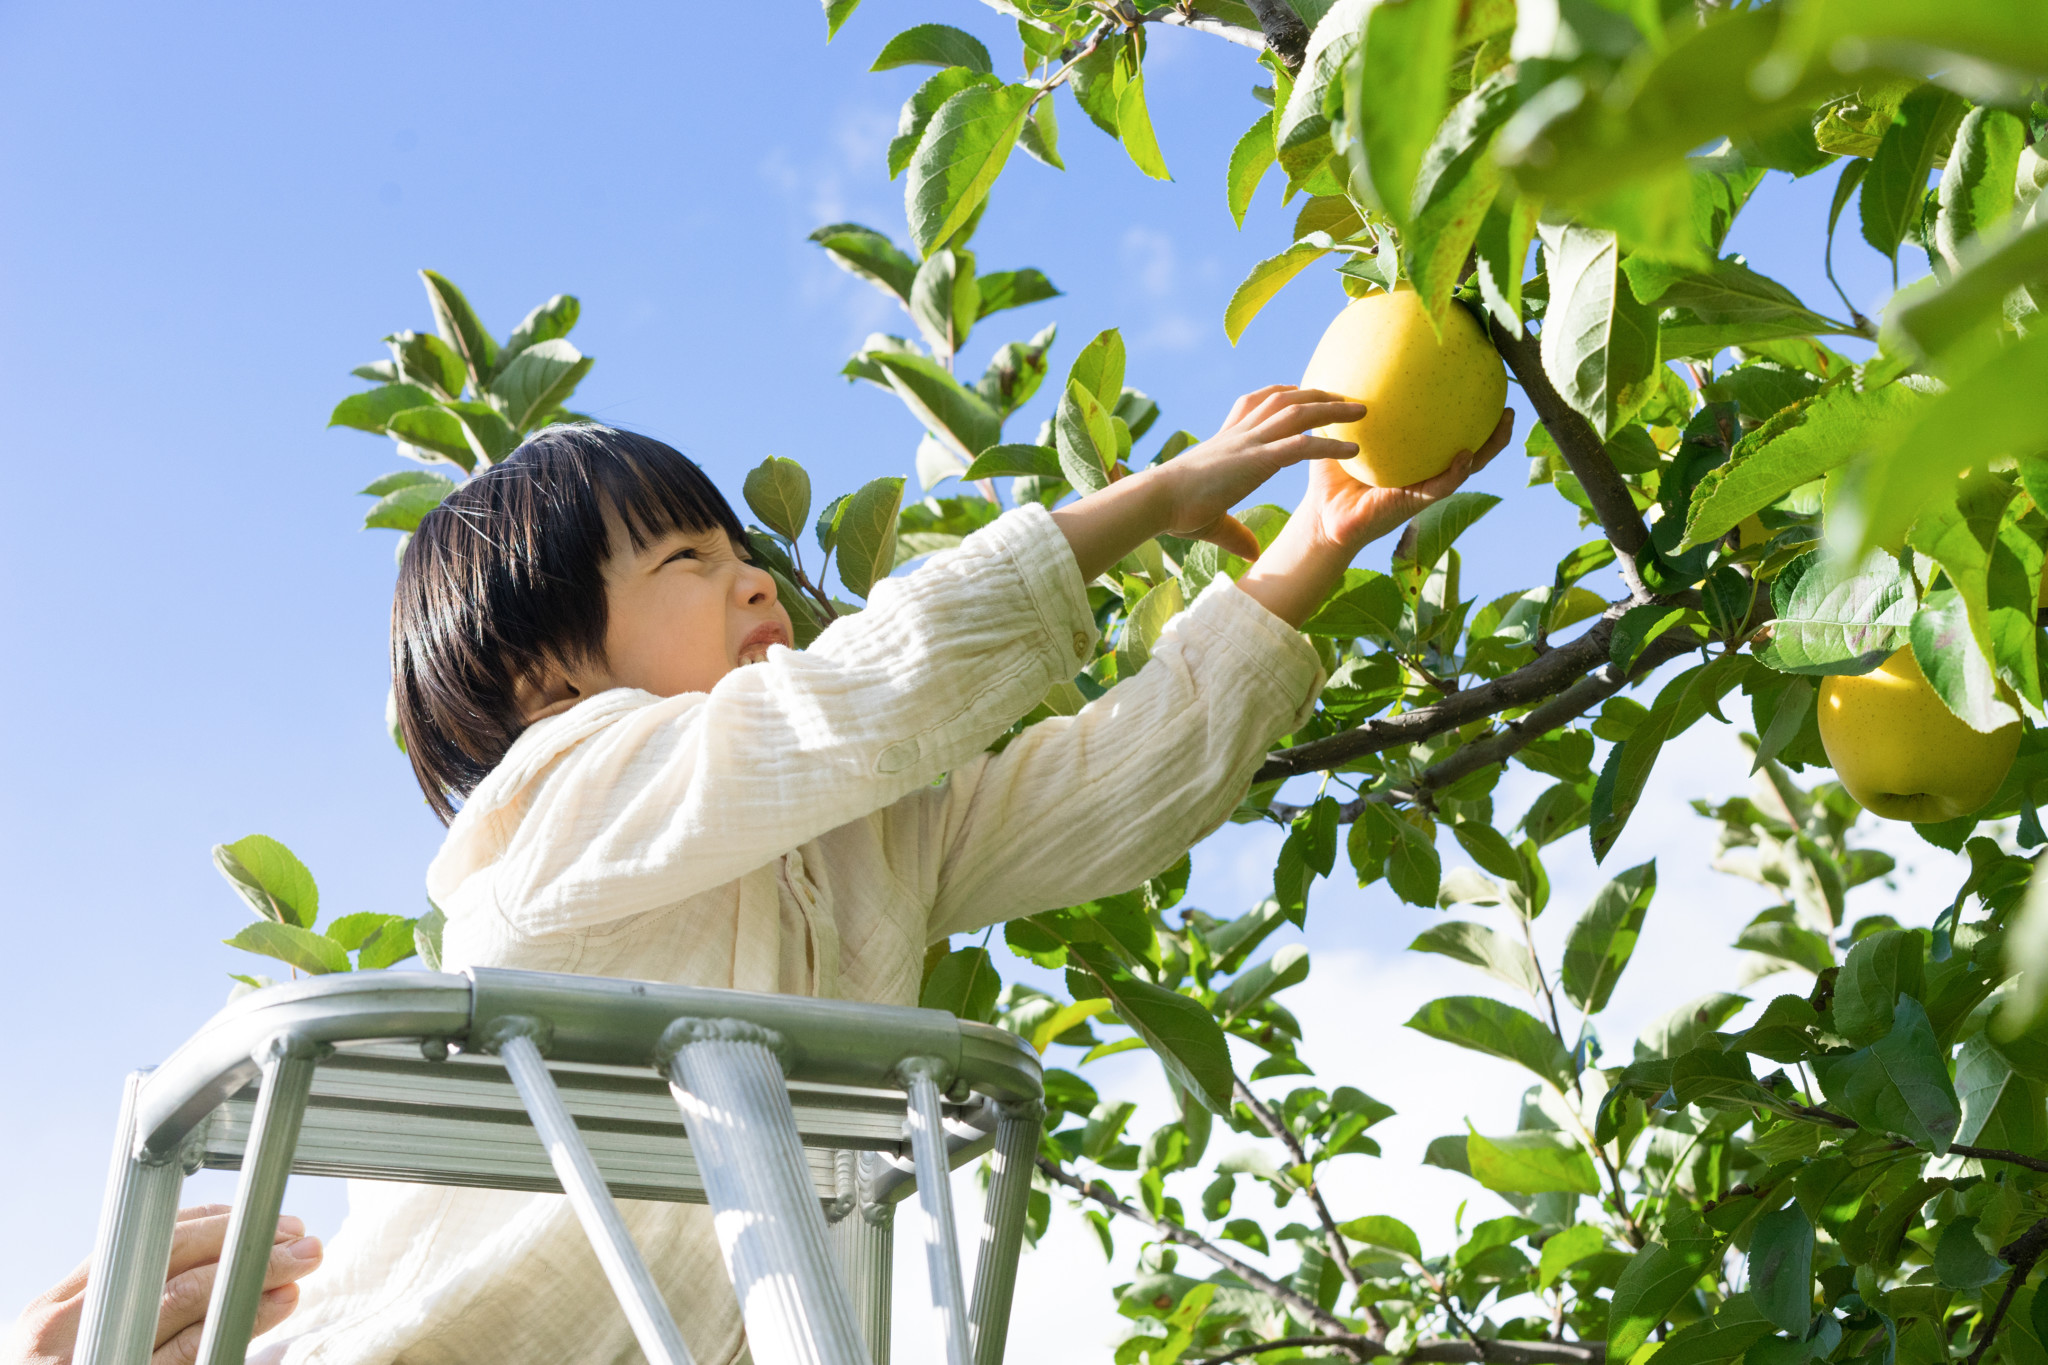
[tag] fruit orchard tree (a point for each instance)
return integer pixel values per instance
(1845, 554)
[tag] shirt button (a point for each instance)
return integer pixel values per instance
(1080, 644)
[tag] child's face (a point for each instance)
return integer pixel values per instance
(685, 611)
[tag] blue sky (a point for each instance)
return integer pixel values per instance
(209, 214)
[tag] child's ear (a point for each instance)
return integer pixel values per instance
(549, 694)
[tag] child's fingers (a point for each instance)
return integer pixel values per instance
(1299, 417)
(1246, 402)
(274, 1307)
(1494, 444)
(1286, 399)
(199, 1238)
(186, 1295)
(1230, 534)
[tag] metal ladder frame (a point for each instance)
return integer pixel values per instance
(787, 1103)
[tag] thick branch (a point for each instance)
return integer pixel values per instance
(1305, 1308)
(1285, 33)
(1585, 452)
(1451, 1351)
(1202, 23)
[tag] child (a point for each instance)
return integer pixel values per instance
(652, 784)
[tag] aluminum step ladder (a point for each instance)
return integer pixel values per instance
(811, 1118)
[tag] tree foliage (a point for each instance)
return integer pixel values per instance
(1858, 1171)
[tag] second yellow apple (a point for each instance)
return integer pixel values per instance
(1901, 752)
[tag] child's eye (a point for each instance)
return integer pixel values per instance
(687, 552)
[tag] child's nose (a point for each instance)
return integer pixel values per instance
(756, 585)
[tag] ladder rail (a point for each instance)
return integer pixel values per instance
(654, 1327)
(131, 1249)
(1002, 1229)
(935, 1202)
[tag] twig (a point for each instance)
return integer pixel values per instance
(1339, 1250)
(1306, 1308)
(1351, 1343)
(1444, 1352)
(1586, 453)
(2020, 1254)
(1816, 1114)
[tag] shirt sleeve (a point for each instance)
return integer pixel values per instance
(1092, 804)
(689, 792)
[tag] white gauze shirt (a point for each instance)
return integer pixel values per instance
(808, 826)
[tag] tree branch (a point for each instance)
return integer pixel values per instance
(1351, 1343)
(1202, 23)
(1814, 1113)
(1305, 1308)
(1284, 31)
(2020, 1254)
(1585, 452)
(1490, 1350)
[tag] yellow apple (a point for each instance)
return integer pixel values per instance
(1426, 397)
(1901, 752)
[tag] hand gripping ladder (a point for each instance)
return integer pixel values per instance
(795, 1118)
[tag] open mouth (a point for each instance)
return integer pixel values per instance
(754, 649)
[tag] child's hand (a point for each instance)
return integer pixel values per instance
(1347, 514)
(1265, 432)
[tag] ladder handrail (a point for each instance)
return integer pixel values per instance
(595, 1019)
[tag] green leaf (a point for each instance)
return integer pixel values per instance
(952, 412)
(1878, 970)
(1287, 967)
(1781, 1268)
(1301, 129)
(353, 931)
(1494, 953)
(1438, 526)
(423, 358)
(1565, 1249)
(538, 380)
(373, 409)
(1094, 81)
(1455, 189)
(1995, 568)
(1099, 368)
(1760, 391)
(1500, 1030)
(1370, 604)
(837, 12)
(779, 492)
(1181, 1031)
(1384, 1232)
(1250, 159)
(923, 103)
(1532, 1163)
(1899, 1084)
(1134, 121)
(1795, 447)
(1040, 137)
(1896, 185)
(1264, 281)
(960, 157)
(1973, 302)
(392, 943)
(1013, 289)
(1682, 701)
(404, 508)
(1501, 253)
(1085, 438)
(302, 948)
(1655, 1280)
(1838, 619)
(1604, 938)
(426, 937)
(1977, 185)
(867, 253)
(549, 320)
(1142, 625)
(1788, 942)
(964, 983)
(456, 321)
(864, 534)
(1954, 665)
(933, 45)
(1599, 345)
(490, 436)
(1021, 460)
(1726, 292)
(1960, 1260)
(270, 878)
(1015, 372)
(945, 299)
(1395, 81)
(436, 430)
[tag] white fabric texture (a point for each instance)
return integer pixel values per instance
(808, 826)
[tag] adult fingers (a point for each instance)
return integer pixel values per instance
(274, 1307)
(186, 1295)
(1232, 535)
(200, 1238)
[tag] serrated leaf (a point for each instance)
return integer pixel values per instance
(404, 508)
(1264, 281)
(964, 984)
(1142, 625)
(457, 323)
(1385, 1232)
(1500, 1030)
(1781, 1268)
(1181, 1031)
(434, 429)
(1395, 80)
(933, 45)
(1938, 320)
(1531, 1163)
(864, 534)
(270, 878)
(391, 944)
(1099, 368)
(373, 409)
(950, 411)
(779, 492)
(1599, 344)
(1084, 438)
(1977, 184)
(1654, 1281)
(1835, 619)
(301, 948)
(1899, 1084)
(1896, 184)
(1013, 289)
(552, 319)
(1604, 938)
(1134, 123)
(538, 380)
(925, 102)
(1250, 159)
(869, 254)
(1788, 942)
(426, 937)
(1454, 190)
(962, 153)
(1494, 953)
(1024, 461)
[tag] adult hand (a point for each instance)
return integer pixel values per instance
(47, 1331)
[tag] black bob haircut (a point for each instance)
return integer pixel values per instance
(507, 576)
